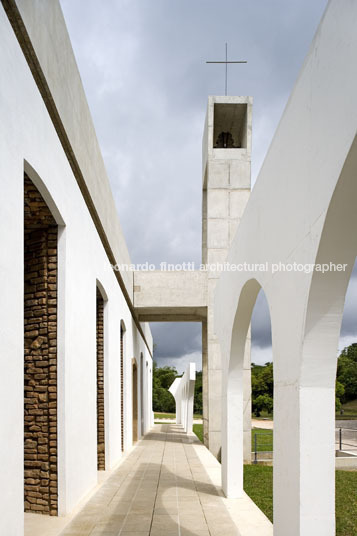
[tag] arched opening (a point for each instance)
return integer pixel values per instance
(262, 381)
(141, 395)
(40, 348)
(316, 403)
(346, 390)
(122, 389)
(238, 374)
(259, 430)
(100, 368)
(135, 399)
(176, 345)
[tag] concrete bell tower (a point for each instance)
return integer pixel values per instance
(226, 170)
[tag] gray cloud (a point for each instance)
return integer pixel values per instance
(177, 344)
(261, 328)
(349, 321)
(143, 68)
(176, 339)
(181, 363)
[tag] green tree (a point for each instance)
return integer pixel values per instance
(347, 373)
(350, 352)
(198, 408)
(263, 403)
(340, 391)
(162, 399)
(262, 386)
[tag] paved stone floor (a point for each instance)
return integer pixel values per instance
(168, 485)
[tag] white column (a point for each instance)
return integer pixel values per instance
(183, 390)
(304, 460)
(190, 397)
(232, 436)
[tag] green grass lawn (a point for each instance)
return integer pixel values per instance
(164, 415)
(264, 439)
(349, 411)
(158, 415)
(264, 415)
(198, 430)
(258, 484)
(346, 503)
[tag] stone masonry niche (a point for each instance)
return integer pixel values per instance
(40, 349)
(230, 126)
(122, 349)
(100, 383)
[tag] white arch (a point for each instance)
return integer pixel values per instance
(42, 188)
(293, 215)
(233, 391)
(338, 244)
(102, 291)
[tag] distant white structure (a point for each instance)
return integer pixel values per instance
(183, 390)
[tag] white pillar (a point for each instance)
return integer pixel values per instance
(247, 401)
(183, 390)
(232, 436)
(190, 397)
(304, 460)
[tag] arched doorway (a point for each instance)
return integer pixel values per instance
(141, 394)
(122, 387)
(40, 349)
(100, 358)
(135, 399)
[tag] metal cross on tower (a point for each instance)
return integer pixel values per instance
(226, 64)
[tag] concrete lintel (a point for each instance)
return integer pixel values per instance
(181, 315)
(170, 296)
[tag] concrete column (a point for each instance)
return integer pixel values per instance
(190, 398)
(232, 437)
(304, 460)
(205, 383)
(247, 402)
(183, 407)
(226, 190)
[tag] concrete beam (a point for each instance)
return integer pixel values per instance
(170, 296)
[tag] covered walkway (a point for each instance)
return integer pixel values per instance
(168, 485)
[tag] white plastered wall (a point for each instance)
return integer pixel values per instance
(28, 138)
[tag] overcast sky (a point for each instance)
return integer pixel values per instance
(142, 63)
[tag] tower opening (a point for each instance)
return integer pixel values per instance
(230, 126)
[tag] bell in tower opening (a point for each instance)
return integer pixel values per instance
(224, 140)
(230, 125)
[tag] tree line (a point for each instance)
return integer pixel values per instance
(262, 385)
(346, 382)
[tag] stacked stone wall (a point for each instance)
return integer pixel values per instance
(40, 360)
(122, 385)
(100, 383)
